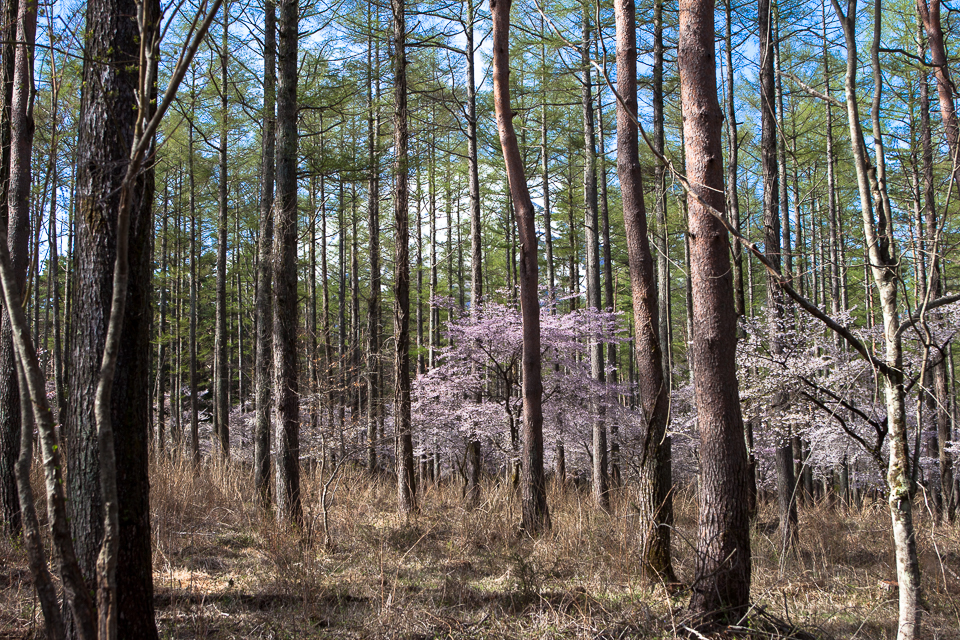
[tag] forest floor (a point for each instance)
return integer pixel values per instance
(221, 570)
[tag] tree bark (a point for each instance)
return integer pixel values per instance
(107, 130)
(883, 261)
(10, 427)
(264, 309)
(373, 303)
(733, 148)
(654, 496)
(285, 362)
(406, 480)
(721, 587)
(535, 514)
(221, 375)
(601, 482)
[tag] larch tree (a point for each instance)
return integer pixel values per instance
(107, 129)
(535, 513)
(264, 298)
(9, 389)
(406, 479)
(285, 303)
(655, 494)
(721, 585)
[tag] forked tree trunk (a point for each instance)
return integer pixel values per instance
(721, 587)
(535, 514)
(654, 496)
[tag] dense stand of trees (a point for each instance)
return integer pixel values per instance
(322, 163)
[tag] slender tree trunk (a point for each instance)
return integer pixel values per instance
(664, 331)
(373, 225)
(733, 148)
(929, 11)
(406, 481)
(221, 382)
(940, 399)
(194, 399)
(264, 308)
(721, 586)
(535, 515)
(163, 368)
(601, 483)
(285, 362)
(883, 262)
(786, 499)
(654, 496)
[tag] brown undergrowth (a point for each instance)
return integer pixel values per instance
(224, 570)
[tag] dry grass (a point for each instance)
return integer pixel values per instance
(222, 570)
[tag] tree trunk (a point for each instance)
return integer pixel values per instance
(285, 362)
(787, 502)
(373, 302)
(221, 406)
(106, 134)
(733, 147)
(591, 224)
(10, 427)
(406, 481)
(721, 587)
(883, 260)
(655, 499)
(194, 399)
(535, 514)
(264, 308)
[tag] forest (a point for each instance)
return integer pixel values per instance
(520, 319)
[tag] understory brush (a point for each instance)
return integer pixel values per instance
(225, 569)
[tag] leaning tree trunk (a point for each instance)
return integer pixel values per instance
(655, 499)
(536, 515)
(721, 587)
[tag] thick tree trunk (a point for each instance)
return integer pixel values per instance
(654, 496)
(406, 481)
(721, 587)
(9, 389)
(664, 331)
(264, 308)
(107, 129)
(535, 514)
(285, 362)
